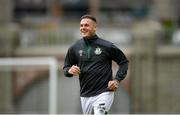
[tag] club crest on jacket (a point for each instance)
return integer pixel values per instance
(98, 51)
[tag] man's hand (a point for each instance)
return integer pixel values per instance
(74, 70)
(113, 85)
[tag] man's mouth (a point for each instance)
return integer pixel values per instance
(84, 32)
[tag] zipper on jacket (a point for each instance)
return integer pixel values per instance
(88, 49)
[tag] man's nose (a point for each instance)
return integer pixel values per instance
(83, 27)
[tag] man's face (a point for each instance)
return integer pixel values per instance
(87, 28)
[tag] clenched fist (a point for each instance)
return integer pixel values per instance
(75, 70)
(113, 85)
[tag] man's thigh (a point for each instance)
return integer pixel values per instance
(100, 103)
(103, 102)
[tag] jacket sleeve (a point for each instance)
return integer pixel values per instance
(118, 56)
(68, 62)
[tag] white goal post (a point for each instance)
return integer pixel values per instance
(34, 61)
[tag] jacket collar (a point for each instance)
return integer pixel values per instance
(89, 40)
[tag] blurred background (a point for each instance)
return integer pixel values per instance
(147, 31)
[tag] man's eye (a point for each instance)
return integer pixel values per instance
(86, 25)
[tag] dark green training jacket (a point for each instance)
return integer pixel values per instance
(94, 57)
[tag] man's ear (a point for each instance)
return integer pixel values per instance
(95, 28)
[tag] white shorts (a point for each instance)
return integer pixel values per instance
(100, 104)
